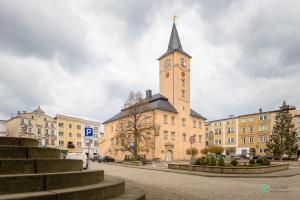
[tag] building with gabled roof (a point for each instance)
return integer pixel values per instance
(169, 110)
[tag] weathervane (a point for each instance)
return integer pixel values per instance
(174, 18)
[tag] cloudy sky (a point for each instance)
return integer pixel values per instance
(81, 58)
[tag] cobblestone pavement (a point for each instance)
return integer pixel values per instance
(164, 185)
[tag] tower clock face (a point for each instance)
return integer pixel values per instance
(167, 74)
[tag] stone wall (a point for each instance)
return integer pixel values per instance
(231, 170)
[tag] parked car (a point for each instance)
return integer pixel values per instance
(96, 158)
(106, 159)
(78, 156)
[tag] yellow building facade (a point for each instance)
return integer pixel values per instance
(170, 111)
(35, 125)
(71, 134)
(243, 135)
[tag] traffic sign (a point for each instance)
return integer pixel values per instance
(192, 139)
(87, 141)
(88, 132)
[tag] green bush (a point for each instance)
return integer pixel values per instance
(252, 162)
(234, 162)
(212, 161)
(201, 161)
(221, 162)
(197, 161)
(265, 161)
(259, 161)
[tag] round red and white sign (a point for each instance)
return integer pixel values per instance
(192, 139)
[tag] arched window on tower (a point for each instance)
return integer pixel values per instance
(183, 93)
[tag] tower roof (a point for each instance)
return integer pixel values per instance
(174, 43)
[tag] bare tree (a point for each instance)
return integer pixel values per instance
(134, 132)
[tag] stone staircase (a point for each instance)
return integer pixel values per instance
(31, 172)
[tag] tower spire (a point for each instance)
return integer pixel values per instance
(174, 42)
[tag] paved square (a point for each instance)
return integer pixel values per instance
(173, 186)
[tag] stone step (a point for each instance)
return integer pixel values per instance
(107, 189)
(32, 166)
(131, 193)
(50, 181)
(28, 152)
(14, 141)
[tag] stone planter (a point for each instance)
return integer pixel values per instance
(231, 170)
(136, 163)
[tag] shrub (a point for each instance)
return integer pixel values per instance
(265, 161)
(126, 158)
(221, 162)
(216, 149)
(212, 161)
(234, 162)
(201, 161)
(197, 161)
(259, 161)
(252, 162)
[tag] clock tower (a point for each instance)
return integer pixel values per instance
(174, 74)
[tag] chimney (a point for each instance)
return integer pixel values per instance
(260, 110)
(148, 94)
(19, 112)
(24, 111)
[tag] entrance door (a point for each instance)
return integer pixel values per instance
(169, 156)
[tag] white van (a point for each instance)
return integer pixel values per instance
(78, 156)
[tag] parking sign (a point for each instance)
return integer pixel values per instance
(88, 132)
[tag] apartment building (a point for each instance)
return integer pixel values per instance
(243, 135)
(35, 124)
(71, 134)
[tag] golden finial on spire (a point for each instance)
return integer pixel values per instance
(174, 18)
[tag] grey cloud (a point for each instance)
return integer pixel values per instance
(47, 30)
(21, 89)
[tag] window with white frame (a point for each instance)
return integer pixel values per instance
(262, 117)
(244, 119)
(200, 138)
(165, 119)
(200, 125)
(194, 124)
(165, 135)
(243, 130)
(251, 129)
(217, 131)
(173, 120)
(263, 138)
(251, 119)
(243, 140)
(231, 140)
(262, 127)
(251, 140)
(230, 130)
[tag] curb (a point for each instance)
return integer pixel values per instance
(208, 175)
